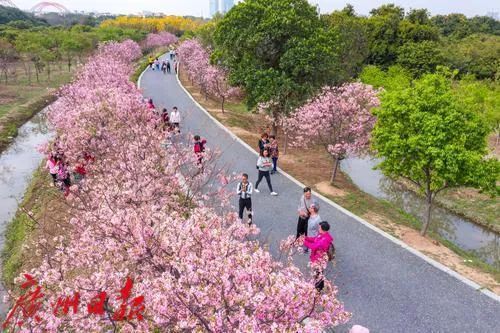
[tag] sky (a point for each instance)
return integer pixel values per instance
(200, 7)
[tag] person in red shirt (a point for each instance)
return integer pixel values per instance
(199, 147)
(79, 171)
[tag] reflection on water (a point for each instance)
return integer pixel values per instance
(460, 231)
(17, 164)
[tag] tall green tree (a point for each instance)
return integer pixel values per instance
(426, 136)
(483, 97)
(353, 34)
(420, 58)
(278, 51)
(476, 54)
(396, 77)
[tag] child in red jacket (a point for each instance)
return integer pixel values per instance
(199, 147)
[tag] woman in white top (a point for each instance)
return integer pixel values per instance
(175, 119)
(264, 165)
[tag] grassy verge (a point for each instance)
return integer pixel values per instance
(313, 166)
(19, 230)
(20, 100)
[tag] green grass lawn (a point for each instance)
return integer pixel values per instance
(20, 99)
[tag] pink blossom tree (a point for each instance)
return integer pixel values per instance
(163, 38)
(193, 265)
(339, 119)
(219, 86)
(211, 79)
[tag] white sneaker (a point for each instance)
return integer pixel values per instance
(256, 190)
(274, 193)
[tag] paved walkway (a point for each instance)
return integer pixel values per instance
(387, 288)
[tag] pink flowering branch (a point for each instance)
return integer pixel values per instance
(159, 39)
(339, 119)
(212, 80)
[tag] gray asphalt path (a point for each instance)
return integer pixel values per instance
(386, 287)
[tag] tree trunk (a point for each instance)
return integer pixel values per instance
(336, 163)
(222, 106)
(48, 71)
(285, 144)
(274, 128)
(427, 221)
(69, 65)
(29, 74)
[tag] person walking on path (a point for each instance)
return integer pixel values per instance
(157, 64)
(314, 220)
(168, 66)
(264, 165)
(303, 210)
(175, 119)
(319, 246)
(244, 191)
(263, 142)
(164, 67)
(150, 62)
(274, 150)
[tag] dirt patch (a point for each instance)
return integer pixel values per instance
(327, 188)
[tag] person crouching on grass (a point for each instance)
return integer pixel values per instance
(264, 165)
(244, 191)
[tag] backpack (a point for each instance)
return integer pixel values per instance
(201, 145)
(331, 252)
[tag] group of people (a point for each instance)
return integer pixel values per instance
(312, 230)
(170, 123)
(267, 162)
(63, 175)
(164, 65)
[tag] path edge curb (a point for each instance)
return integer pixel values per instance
(415, 252)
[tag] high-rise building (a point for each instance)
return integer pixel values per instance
(214, 7)
(226, 5)
(220, 6)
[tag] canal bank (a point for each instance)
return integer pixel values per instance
(464, 233)
(17, 165)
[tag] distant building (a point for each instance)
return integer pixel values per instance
(214, 7)
(227, 5)
(493, 15)
(220, 6)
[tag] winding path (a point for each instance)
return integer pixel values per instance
(388, 287)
